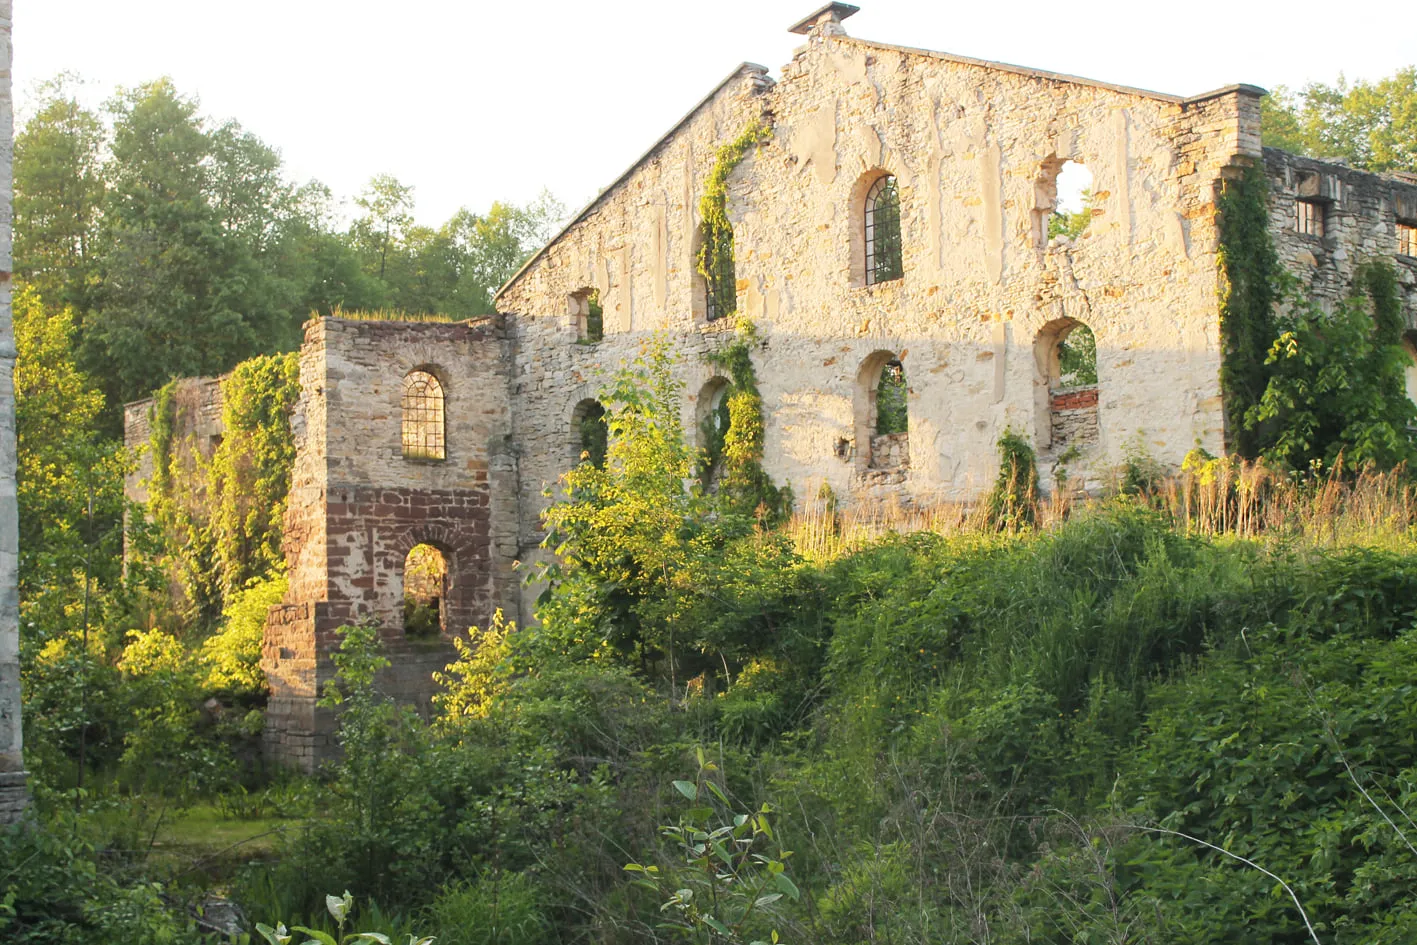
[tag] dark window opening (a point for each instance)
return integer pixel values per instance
(884, 256)
(720, 282)
(591, 432)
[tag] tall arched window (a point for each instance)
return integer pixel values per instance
(720, 280)
(423, 417)
(883, 247)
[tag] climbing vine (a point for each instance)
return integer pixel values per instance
(250, 470)
(1249, 271)
(716, 261)
(220, 517)
(745, 487)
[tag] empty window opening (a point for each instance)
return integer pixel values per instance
(1407, 238)
(714, 419)
(1064, 201)
(882, 414)
(425, 588)
(720, 279)
(1309, 217)
(891, 415)
(1067, 359)
(423, 417)
(590, 432)
(588, 315)
(884, 252)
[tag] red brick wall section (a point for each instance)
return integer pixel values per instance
(1077, 399)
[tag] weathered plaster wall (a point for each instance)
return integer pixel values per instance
(969, 144)
(1360, 216)
(13, 794)
(357, 506)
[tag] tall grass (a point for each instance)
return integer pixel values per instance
(1213, 498)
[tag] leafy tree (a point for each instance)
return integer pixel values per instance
(1336, 384)
(58, 193)
(1372, 125)
(183, 292)
(63, 465)
(388, 214)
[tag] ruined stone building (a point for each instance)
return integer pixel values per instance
(896, 222)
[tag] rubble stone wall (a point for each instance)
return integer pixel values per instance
(1360, 212)
(973, 147)
(358, 505)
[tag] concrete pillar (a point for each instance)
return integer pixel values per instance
(13, 795)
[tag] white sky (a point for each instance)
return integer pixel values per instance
(472, 101)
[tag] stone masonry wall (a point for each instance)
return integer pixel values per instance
(13, 793)
(971, 145)
(1360, 213)
(357, 506)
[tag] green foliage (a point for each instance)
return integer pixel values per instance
(1013, 502)
(56, 888)
(1077, 357)
(220, 520)
(730, 870)
(250, 470)
(1372, 125)
(477, 676)
(1248, 290)
(744, 487)
(594, 435)
(232, 655)
(1071, 224)
(64, 471)
(716, 258)
(892, 413)
(1336, 385)
(496, 908)
(184, 249)
(58, 194)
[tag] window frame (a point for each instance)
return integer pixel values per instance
(1310, 218)
(423, 418)
(883, 245)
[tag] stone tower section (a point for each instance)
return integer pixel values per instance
(362, 498)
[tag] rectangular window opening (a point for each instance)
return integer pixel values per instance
(1309, 217)
(1407, 238)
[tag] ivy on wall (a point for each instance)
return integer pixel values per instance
(745, 488)
(1249, 271)
(1306, 385)
(716, 260)
(220, 518)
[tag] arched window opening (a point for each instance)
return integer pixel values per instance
(425, 588)
(882, 414)
(1065, 204)
(423, 417)
(891, 415)
(588, 315)
(590, 432)
(1067, 359)
(720, 279)
(712, 414)
(884, 253)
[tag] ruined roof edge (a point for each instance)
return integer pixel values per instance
(744, 68)
(1045, 74)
